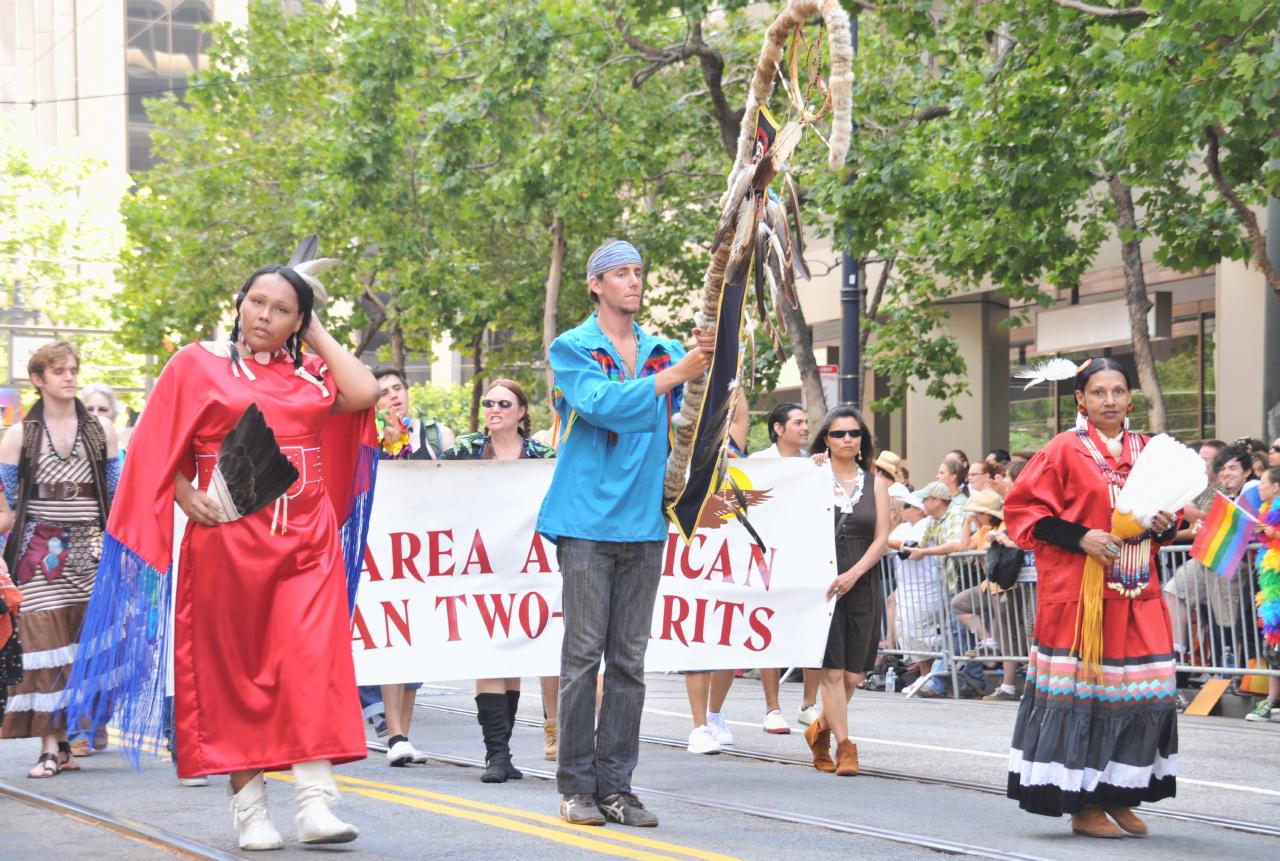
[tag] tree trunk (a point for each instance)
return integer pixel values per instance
(477, 377)
(1135, 290)
(397, 344)
(551, 303)
(802, 348)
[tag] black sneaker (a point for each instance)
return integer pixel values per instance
(580, 809)
(625, 809)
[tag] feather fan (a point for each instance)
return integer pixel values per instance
(252, 472)
(1050, 371)
(1166, 476)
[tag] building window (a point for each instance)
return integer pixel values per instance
(166, 45)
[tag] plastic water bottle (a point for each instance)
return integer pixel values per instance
(890, 681)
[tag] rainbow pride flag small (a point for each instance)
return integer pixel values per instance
(1223, 537)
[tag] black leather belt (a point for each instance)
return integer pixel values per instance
(65, 491)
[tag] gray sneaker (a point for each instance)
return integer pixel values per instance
(580, 809)
(625, 809)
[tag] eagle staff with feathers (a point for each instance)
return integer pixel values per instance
(266, 440)
(759, 237)
(1096, 733)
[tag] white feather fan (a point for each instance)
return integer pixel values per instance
(1166, 477)
(1052, 370)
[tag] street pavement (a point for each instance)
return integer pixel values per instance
(1227, 769)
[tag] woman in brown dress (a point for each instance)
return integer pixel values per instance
(861, 535)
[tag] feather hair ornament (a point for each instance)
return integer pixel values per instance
(1054, 370)
(252, 472)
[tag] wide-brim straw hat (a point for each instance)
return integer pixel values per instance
(986, 502)
(890, 463)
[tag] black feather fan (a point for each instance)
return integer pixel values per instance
(253, 468)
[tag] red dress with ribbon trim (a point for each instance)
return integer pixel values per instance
(263, 673)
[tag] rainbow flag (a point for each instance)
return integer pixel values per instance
(1223, 537)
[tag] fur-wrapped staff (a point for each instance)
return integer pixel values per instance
(755, 234)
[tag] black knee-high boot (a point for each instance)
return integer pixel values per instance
(513, 705)
(491, 713)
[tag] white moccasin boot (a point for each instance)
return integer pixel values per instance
(249, 809)
(316, 795)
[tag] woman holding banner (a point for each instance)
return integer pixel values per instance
(261, 643)
(1096, 732)
(861, 535)
(507, 436)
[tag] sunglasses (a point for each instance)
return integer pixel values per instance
(841, 434)
(1276, 449)
(503, 404)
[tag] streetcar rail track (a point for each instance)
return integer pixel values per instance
(1242, 825)
(950, 847)
(131, 829)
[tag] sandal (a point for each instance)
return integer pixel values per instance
(46, 766)
(100, 738)
(81, 748)
(66, 761)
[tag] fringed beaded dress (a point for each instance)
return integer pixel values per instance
(1079, 740)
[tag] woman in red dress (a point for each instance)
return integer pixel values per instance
(263, 674)
(1087, 744)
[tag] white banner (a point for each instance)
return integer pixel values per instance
(458, 585)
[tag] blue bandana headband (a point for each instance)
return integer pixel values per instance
(611, 256)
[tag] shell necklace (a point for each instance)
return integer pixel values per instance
(847, 499)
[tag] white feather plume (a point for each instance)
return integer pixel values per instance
(310, 269)
(1052, 370)
(1166, 476)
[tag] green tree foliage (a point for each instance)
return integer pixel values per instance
(60, 231)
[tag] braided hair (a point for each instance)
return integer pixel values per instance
(306, 302)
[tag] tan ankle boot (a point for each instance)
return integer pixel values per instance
(1128, 820)
(1091, 821)
(819, 739)
(550, 740)
(846, 758)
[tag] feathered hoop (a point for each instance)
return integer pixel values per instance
(754, 232)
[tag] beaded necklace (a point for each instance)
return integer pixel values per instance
(1131, 572)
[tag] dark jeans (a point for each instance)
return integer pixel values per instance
(608, 593)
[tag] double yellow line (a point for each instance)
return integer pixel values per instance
(608, 841)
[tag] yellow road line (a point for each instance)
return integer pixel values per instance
(556, 821)
(570, 838)
(454, 805)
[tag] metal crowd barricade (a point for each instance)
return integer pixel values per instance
(1215, 625)
(943, 611)
(921, 620)
(914, 625)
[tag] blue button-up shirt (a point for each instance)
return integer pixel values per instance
(614, 438)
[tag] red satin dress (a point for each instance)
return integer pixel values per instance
(263, 674)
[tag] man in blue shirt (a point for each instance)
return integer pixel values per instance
(617, 388)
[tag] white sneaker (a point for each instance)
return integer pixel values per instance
(808, 715)
(911, 689)
(702, 740)
(775, 723)
(720, 729)
(418, 756)
(193, 781)
(401, 753)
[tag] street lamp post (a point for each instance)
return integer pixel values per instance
(850, 304)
